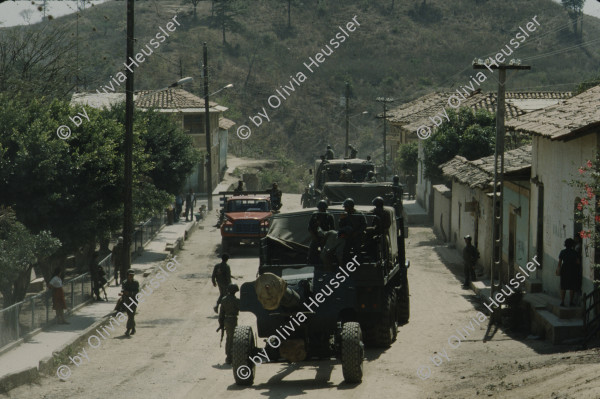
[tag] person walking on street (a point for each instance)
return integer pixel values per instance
(58, 296)
(178, 206)
(117, 260)
(130, 289)
(230, 308)
(470, 256)
(221, 277)
(568, 269)
(189, 205)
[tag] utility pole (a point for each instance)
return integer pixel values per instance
(207, 127)
(128, 179)
(384, 101)
(347, 117)
(496, 264)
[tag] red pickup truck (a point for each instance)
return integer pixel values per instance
(246, 218)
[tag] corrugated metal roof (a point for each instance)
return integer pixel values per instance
(479, 173)
(570, 118)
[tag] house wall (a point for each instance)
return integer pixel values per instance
(463, 223)
(515, 195)
(442, 201)
(423, 186)
(555, 163)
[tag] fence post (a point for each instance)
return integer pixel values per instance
(72, 295)
(17, 321)
(32, 314)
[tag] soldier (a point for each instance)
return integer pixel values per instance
(381, 222)
(346, 174)
(117, 260)
(305, 199)
(352, 228)
(353, 152)
(370, 178)
(239, 190)
(321, 221)
(470, 256)
(130, 289)
(329, 153)
(275, 195)
(221, 276)
(230, 308)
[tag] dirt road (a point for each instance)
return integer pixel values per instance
(176, 353)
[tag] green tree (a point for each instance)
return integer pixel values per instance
(194, 3)
(588, 84)
(226, 11)
(575, 10)
(408, 156)
(19, 251)
(468, 133)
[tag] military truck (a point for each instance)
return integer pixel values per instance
(245, 218)
(363, 194)
(330, 171)
(318, 311)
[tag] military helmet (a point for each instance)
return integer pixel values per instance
(377, 201)
(371, 173)
(322, 205)
(328, 147)
(130, 271)
(233, 288)
(396, 179)
(345, 165)
(348, 202)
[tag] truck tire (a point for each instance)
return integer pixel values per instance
(386, 331)
(353, 352)
(403, 308)
(243, 347)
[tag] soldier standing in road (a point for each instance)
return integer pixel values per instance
(117, 260)
(239, 190)
(230, 308)
(319, 221)
(329, 153)
(221, 277)
(305, 199)
(470, 256)
(130, 289)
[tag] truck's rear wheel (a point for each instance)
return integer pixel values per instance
(386, 330)
(353, 352)
(403, 307)
(243, 347)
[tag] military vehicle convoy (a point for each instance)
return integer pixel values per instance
(312, 311)
(329, 171)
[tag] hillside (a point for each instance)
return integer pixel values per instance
(400, 53)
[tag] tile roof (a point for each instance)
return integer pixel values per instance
(479, 173)
(566, 120)
(410, 116)
(171, 98)
(225, 123)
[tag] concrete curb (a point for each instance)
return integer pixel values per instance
(22, 377)
(48, 365)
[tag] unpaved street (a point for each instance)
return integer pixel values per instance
(176, 353)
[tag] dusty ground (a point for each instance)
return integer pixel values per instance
(176, 353)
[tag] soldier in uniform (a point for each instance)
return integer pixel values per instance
(370, 178)
(275, 195)
(346, 174)
(117, 260)
(470, 256)
(381, 222)
(130, 289)
(230, 308)
(352, 228)
(305, 199)
(221, 277)
(353, 152)
(239, 190)
(321, 221)
(329, 153)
